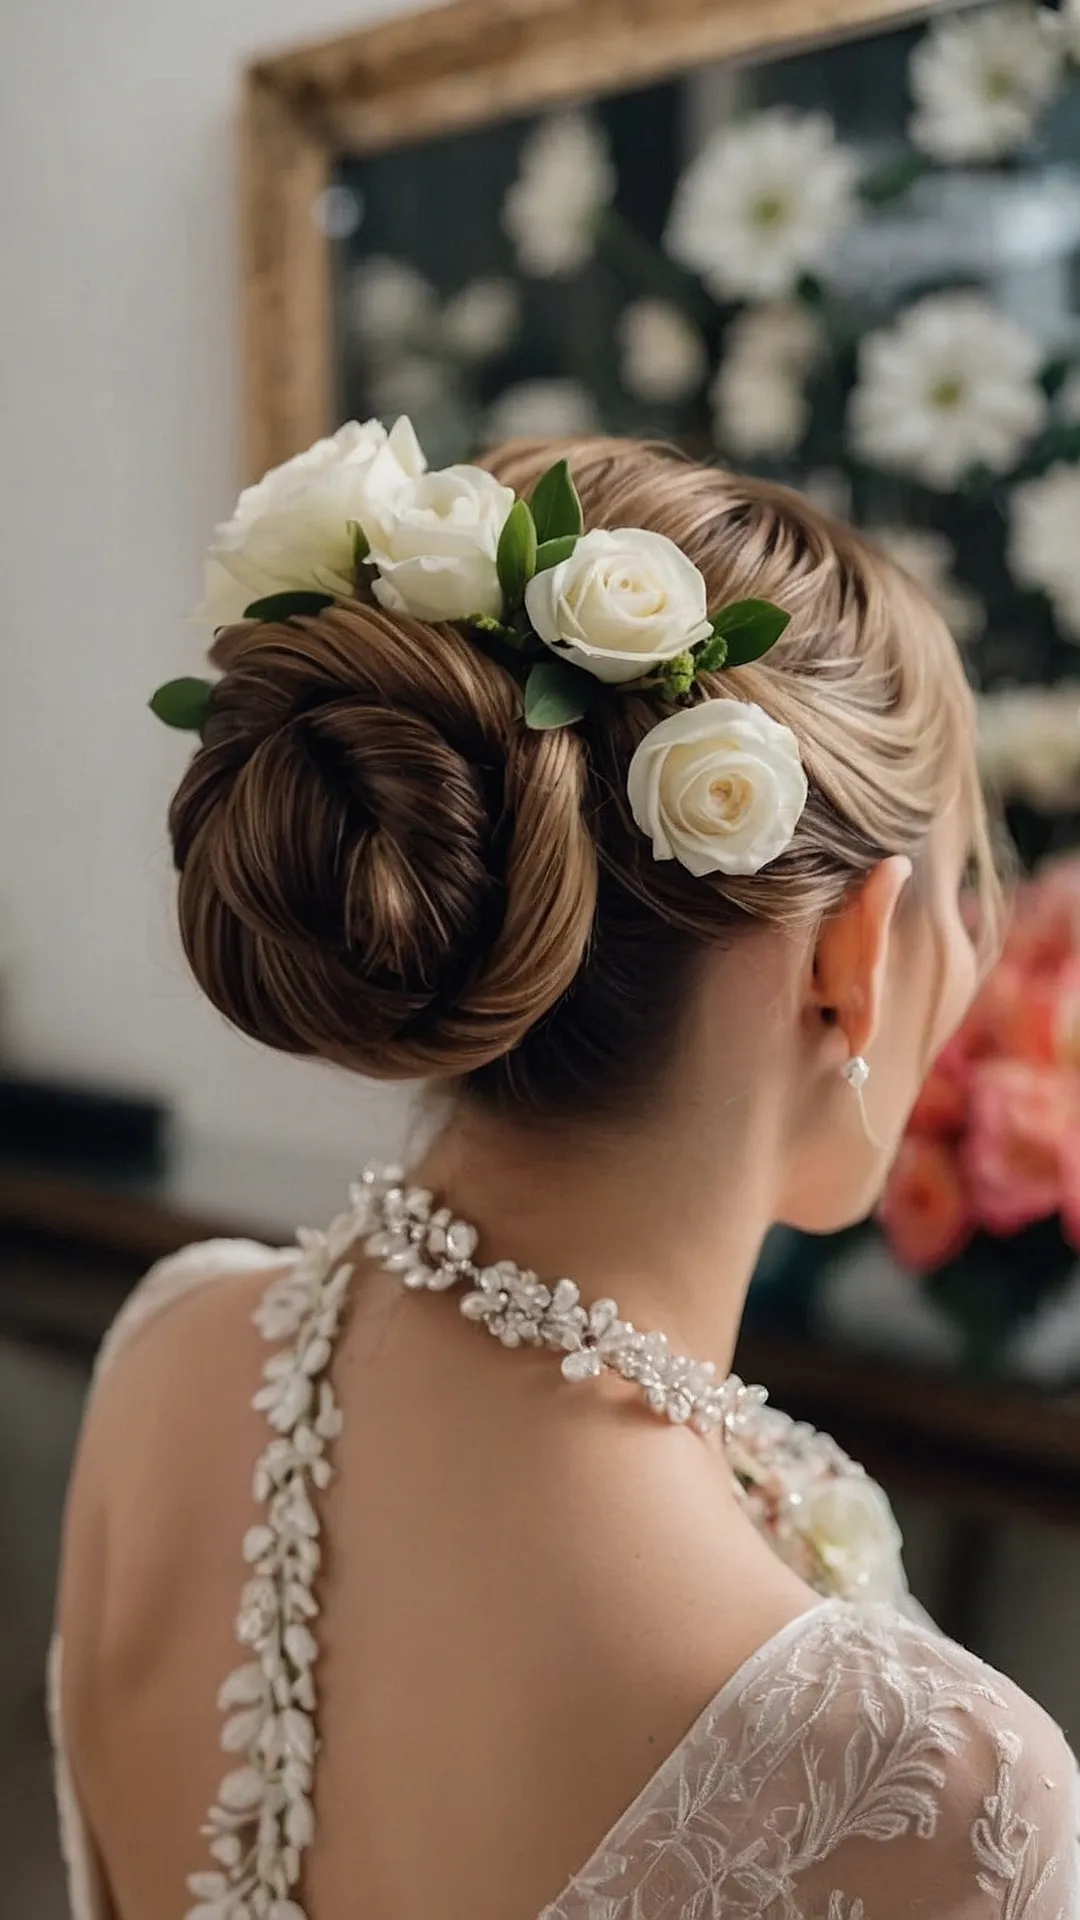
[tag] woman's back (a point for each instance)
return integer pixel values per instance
(520, 1620)
(633, 803)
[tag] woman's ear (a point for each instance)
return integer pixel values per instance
(852, 953)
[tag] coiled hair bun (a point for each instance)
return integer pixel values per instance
(379, 863)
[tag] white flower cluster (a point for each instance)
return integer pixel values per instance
(718, 787)
(262, 1819)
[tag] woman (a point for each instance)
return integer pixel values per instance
(674, 913)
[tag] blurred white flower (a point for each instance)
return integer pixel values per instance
(662, 353)
(980, 81)
(412, 384)
(389, 300)
(784, 333)
(758, 409)
(758, 397)
(829, 491)
(542, 409)
(565, 178)
(850, 1524)
(481, 319)
(952, 385)
(1029, 744)
(929, 558)
(1044, 541)
(762, 203)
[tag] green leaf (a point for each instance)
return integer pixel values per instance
(749, 628)
(361, 545)
(551, 553)
(556, 508)
(892, 179)
(183, 703)
(282, 606)
(557, 694)
(712, 656)
(515, 557)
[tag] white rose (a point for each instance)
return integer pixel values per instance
(719, 787)
(624, 601)
(850, 1525)
(292, 529)
(434, 543)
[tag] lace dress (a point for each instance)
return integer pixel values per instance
(859, 1766)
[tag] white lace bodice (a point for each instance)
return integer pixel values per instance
(858, 1767)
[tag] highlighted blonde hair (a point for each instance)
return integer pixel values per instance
(382, 866)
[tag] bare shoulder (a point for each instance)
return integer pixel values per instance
(169, 1407)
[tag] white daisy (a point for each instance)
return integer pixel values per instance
(564, 181)
(543, 409)
(662, 353)
(952, 385)
(1044, 541)
(980, 81)
(929, 558)
(762, 203)
(389, 300)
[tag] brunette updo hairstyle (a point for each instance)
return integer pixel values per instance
(382, 866)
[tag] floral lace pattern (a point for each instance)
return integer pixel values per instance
(859, 1767)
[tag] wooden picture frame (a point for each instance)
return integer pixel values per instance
(426, 74)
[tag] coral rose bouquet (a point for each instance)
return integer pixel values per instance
(984, 1198)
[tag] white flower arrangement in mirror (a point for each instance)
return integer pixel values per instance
(717, 784)
(822, 1514)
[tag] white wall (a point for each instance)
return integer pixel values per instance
(119, 448)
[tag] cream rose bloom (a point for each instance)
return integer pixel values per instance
(434, 543)
(719, 787)
(624, 601)
(291, 531)
(850, 1526)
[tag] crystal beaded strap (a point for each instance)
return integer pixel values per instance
(429, 1248)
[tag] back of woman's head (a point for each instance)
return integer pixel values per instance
(382, 865)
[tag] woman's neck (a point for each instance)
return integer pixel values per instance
(667, 1219)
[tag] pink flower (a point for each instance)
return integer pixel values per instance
(1021, 1116)
(1044, 930)
(925, 1212)
(941, 1108)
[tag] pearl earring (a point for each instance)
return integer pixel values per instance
(857, 1072)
